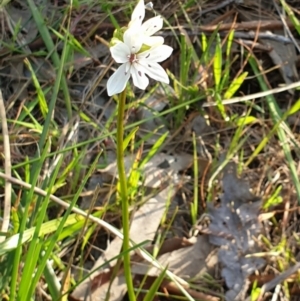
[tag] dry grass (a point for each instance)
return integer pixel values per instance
(93, 115)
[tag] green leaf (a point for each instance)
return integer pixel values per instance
(218, 63)
(235, 85)
(41, 96)
(155, 286)
(295, 108)
(244, 120)
(129, 137)
(274, 200)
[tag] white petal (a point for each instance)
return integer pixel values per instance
(117, 82)
(156, 54)
(152, 25)
(149, 5)
(138, 13)
(153, 41)
(140, 80)
(133, 39)
(127, 67)
(120, 52)
(154, 70)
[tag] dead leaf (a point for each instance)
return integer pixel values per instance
(96, 52)
(237, 220)
(23, 17)
(143, 228)
(154, 124)
(280, 278)
(42, 68)
(17, 72)
(199, 125)
(159, 169)
(189, 262)
(173, 289)
(285, 57)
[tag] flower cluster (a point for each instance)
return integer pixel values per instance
(139, 51)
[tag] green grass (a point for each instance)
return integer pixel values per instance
(51, 164)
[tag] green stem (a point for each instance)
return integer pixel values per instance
(124, 194)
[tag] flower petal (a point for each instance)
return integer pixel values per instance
(152, 25)
(117, 82)
(151, 41)
(133, 39)
(140, 80)
(156, 54)
(138, 13)
(120, 52)
(154, 70)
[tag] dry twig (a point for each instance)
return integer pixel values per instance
(7, 168)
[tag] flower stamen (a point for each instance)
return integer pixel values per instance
(132, 58)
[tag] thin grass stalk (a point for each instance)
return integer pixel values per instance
(46, 36)
(113, 132)
(282, 127)
(26, 199)
(124, 194)
(35, 247)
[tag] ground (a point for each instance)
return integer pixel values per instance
(211, 159)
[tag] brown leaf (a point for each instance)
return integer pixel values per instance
(143, 228)
(159, 169)
(188, 262)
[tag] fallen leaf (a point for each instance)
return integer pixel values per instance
(233, 225)
(81, 60)
(188, 262)
(28, 29)
(159, 169)
(284, 57)
(143, 228)
(16, 73)
(154, 124)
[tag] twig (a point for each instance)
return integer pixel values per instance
(253, 45)
(62, 203)
(171, 288)
(216, 7)
(180, 282)
(263, 35)
(255, 95)
(247, 25)
(7, 168)
(286, 28)
(277, 280)
(239, 33)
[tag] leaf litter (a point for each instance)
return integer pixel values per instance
(148, 110)
(230, 242)
(234, 226)
(238, 209)
(159, 170)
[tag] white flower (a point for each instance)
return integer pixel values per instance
(149, 27)
(137, 64)
(138, 13)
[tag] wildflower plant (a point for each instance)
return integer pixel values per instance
(137, 64)
(139, 51)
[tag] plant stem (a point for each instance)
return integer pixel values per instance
(123, 194)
